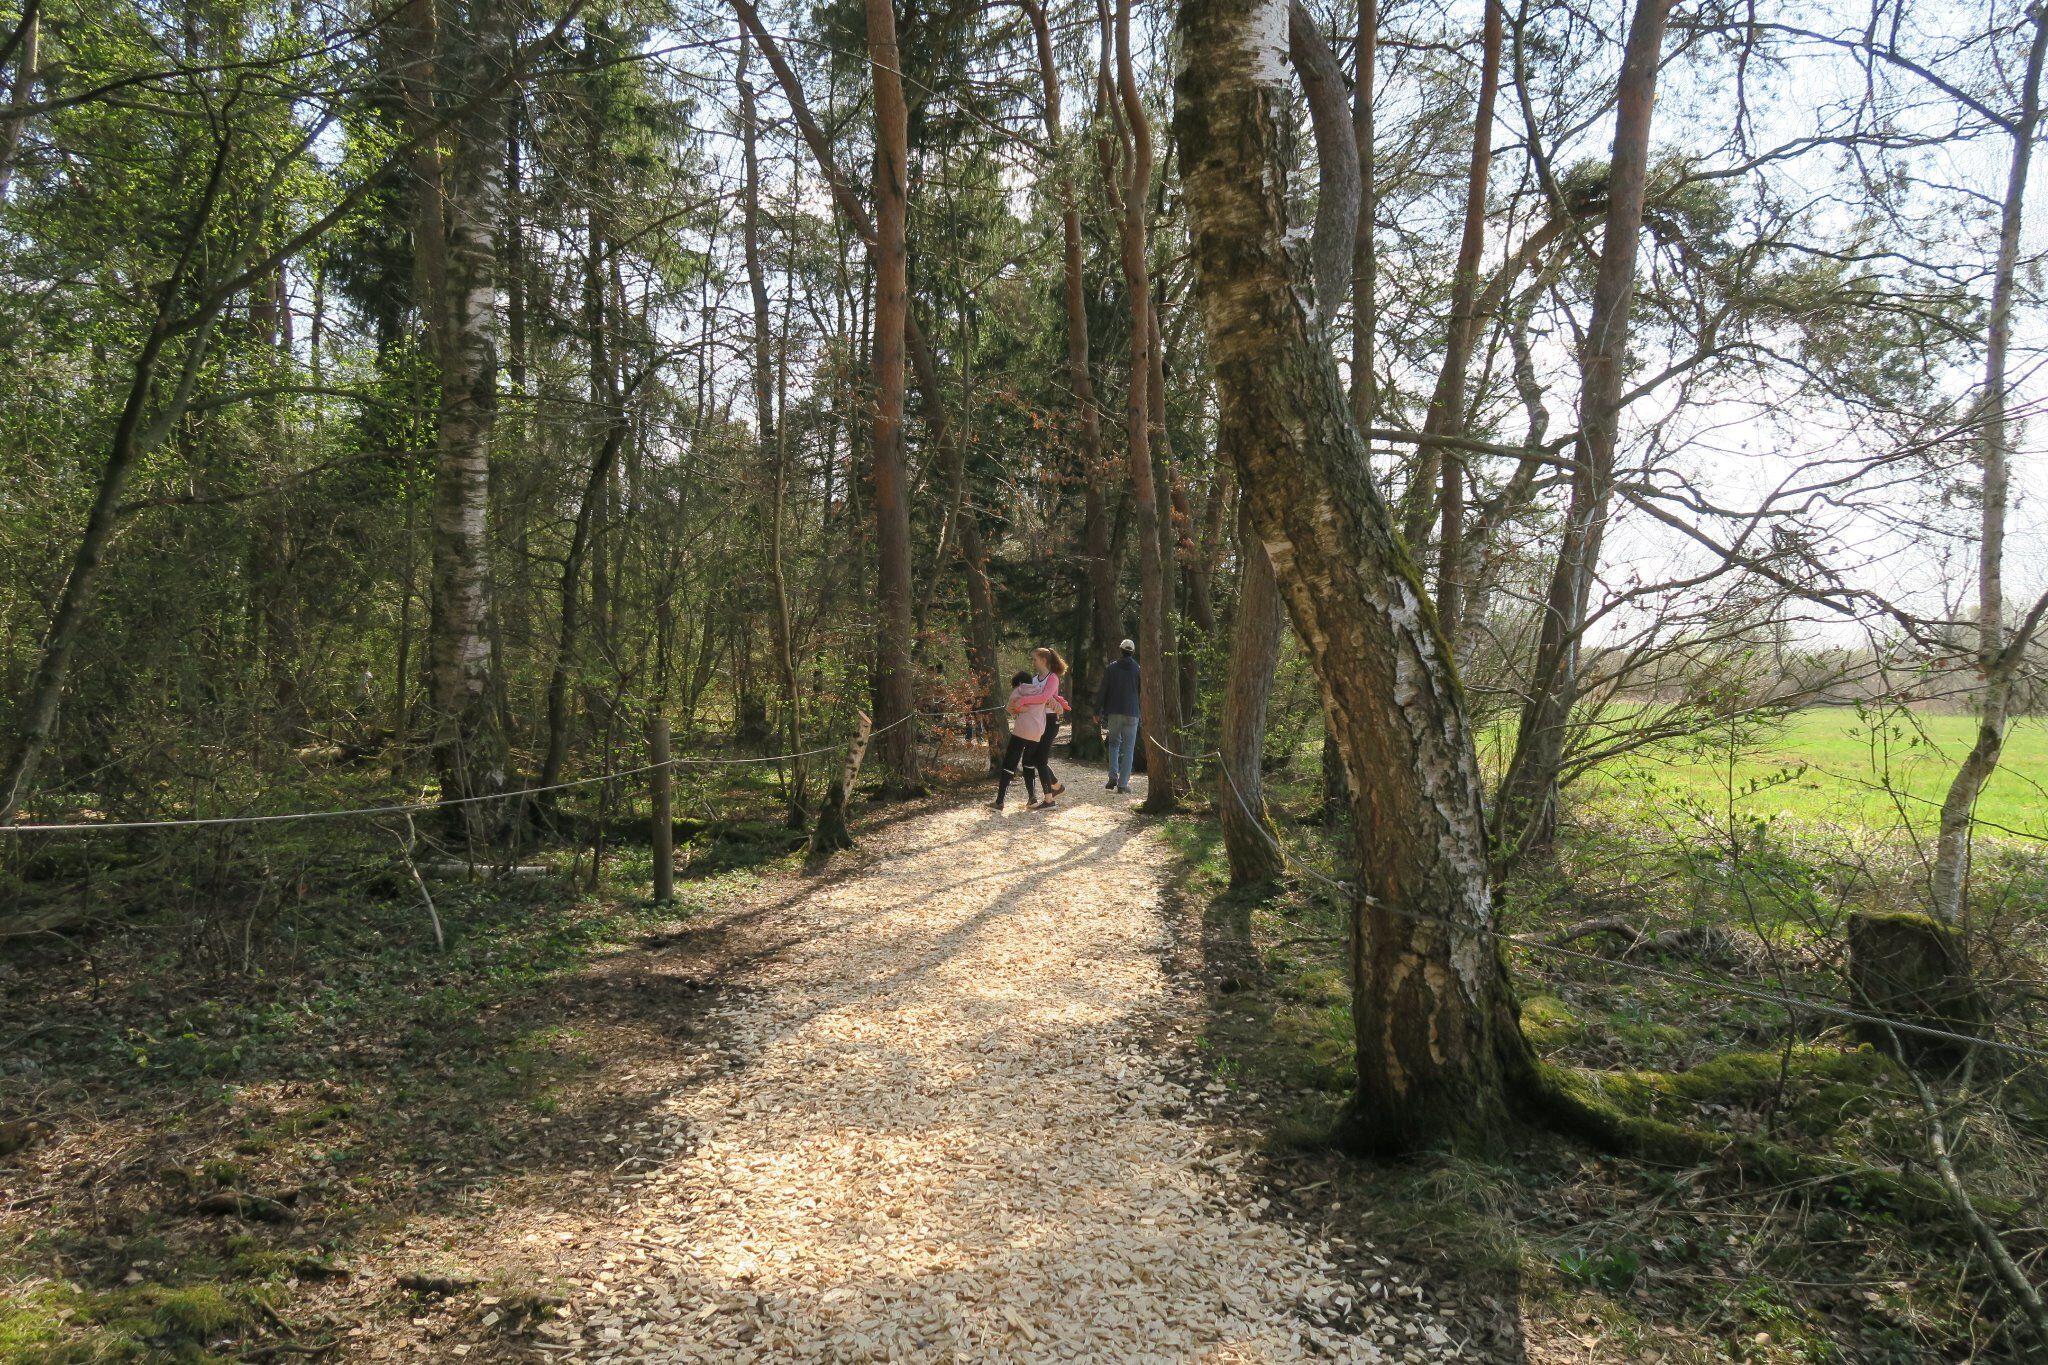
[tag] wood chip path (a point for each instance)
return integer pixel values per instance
(949, 1131)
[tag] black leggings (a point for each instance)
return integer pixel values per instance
(1041, 754)
(1017, 755)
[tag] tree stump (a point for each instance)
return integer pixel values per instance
(1913, 968)
(831, 834)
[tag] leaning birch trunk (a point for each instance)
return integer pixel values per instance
(1439, 1048)
(1527, 810)
(1997, 660)
(832, 833)
(1255, 642)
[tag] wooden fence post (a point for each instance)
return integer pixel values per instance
(664, 823)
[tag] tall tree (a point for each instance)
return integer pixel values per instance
(454, 62)
(1364, 310)
(774, 447)
(1528, 800)
(1446, 416)
(27, 44)
(1999, 656)
(1132, 199)
(613, 425)
(895, 682)
(1439, 1050)
(1094, 547)
(1255, 639)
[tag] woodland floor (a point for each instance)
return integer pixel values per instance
(939, 1107)
(992, 1087)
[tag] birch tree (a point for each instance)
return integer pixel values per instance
(1440, 1053)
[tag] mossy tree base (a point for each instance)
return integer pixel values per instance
(1617, 1113)
(831, 834)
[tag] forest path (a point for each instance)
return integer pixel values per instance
(951, 1135)
(944, 1109)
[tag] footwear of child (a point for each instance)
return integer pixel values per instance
(1059, 789)
(1110, 785)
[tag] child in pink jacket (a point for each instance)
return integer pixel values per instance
(1035, 705)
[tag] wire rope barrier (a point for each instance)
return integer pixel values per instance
(1812, 1004)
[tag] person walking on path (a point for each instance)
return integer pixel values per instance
(1116, 701)
(1048, 668)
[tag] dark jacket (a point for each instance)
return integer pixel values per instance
(1118, 694)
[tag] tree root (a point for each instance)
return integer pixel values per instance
(1571, 1102)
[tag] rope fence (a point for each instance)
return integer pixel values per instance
(665, 765)
(1758, 994)
(425, 807)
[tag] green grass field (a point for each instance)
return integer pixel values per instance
(1836, 766)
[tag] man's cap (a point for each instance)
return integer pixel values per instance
(1128, 647)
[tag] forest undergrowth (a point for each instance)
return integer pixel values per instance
(1599, 1255)
(232, 1059)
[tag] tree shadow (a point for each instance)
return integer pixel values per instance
(1289, 1093)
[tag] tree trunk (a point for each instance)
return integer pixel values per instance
(469, 749)
(1446, 416)
(1998, 660)
(1255, 644)
(1173, 514)
(1333, 246)
(1100, 574)
(980, 595)
(1162, 770)
(1248, 838)
(895, 685)
(1439, 1048)
(24, 93)
(1483, 552)
(606, 400)
(1914, 969)
(515, 256)
(774, 452)
(1527, 819)
(1364, 269)
(147, 417)
(1436, 463)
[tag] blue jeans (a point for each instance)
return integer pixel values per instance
(1122, 734)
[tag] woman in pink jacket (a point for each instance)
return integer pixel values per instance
(1034, 706)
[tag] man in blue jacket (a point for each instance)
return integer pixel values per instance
(1116, 703)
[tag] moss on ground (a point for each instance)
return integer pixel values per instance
(57, 1323)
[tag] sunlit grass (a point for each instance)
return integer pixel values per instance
(1833, 766)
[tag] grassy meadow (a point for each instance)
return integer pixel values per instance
(1832, 766)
